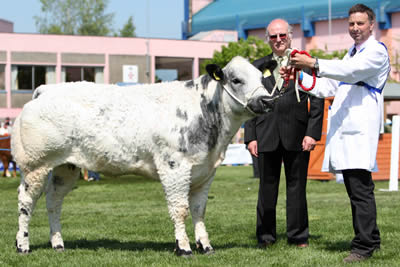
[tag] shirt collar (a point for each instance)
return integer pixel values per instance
(275, 57)
(362, 45)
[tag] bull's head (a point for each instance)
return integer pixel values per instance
(243, 82)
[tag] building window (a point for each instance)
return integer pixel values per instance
(28, 77)
(89, 74)
(2, 77)
(171, 68)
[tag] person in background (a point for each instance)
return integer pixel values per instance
(356, 82)
(7, 121)
(91, 176)
(287, 134)
(5, 128)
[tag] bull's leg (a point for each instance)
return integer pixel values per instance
(198, 201)
(175, 178)
(29, 192)
(61, 182)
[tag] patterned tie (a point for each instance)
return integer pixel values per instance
(277, 76)
(353, 52)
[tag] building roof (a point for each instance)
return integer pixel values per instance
(242, 15)
(391, 91)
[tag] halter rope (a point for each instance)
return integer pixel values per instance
(247, 96)
(291, 52)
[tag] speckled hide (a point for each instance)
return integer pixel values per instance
(176, 132)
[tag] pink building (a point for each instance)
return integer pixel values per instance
(29, 60)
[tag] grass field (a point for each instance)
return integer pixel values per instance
(124, 222)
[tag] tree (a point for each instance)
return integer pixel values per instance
(319, 53)
(74, 17)
(251, 49)
(129, 29)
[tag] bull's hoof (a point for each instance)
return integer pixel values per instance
(181, 252)
(207, 250)
(59, 248)
(24, 251)
(20, 250)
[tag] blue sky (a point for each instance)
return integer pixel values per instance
(162, 18)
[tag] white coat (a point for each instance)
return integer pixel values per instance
(356, 112)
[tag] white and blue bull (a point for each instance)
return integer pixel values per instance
(176, 132)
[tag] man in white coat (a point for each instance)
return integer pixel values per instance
(355, 120)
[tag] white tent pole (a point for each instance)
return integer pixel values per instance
(329, 18)
(394, 158)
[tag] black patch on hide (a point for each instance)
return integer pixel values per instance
(181, 114)
(58, 247)
(189, 84)
(26, 234)
(205, 80)
(171, 164)
(24, 211)
(205, 128)
(182, 141)
(101, 112)
(57, 180)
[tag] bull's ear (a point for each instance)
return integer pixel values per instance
(215, 72)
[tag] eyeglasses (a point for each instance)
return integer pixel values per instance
(282, 36)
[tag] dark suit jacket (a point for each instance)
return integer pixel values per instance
(289, 121)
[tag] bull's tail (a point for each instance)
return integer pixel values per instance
(17, 148)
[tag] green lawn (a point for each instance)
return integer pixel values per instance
(124, 222)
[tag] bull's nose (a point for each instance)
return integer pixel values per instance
(268, 103)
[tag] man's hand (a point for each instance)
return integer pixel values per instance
(308, 143)
(287, 73)
(253, 149)
(301, 61)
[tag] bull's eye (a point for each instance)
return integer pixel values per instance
(236, 81)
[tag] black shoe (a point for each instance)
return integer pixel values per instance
(264, 245)
(354, 257)
(299, 244)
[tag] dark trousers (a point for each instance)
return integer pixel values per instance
(296, 165)
(360, 189)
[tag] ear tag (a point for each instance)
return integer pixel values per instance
(216, 77)
(266, 73)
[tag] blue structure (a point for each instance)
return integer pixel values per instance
(244, 15)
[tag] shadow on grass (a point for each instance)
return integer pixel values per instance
(337, 246)
(112, 244)
(282, 236)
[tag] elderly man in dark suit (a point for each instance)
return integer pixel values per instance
(287, 135)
